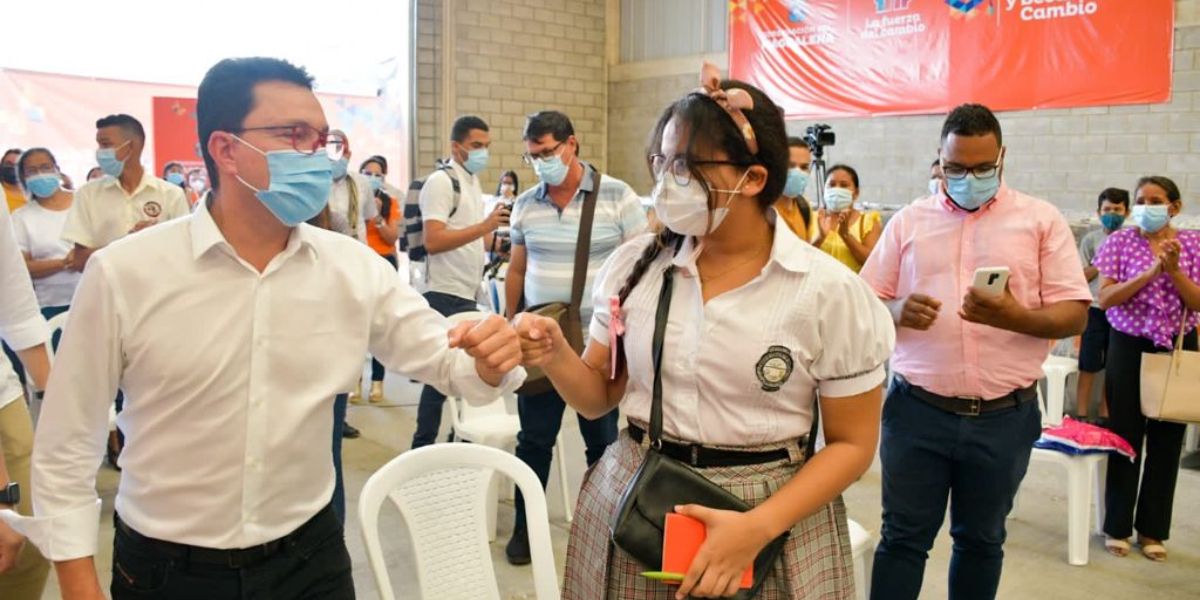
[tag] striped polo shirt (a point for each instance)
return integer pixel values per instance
(549, 236)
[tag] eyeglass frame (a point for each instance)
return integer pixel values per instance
(688, 164)
(552, 152)
(54, 170)
(321, 142)
(991, 170)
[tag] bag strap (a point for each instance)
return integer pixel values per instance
(583, 243)
(660, 334)
(1182, 330)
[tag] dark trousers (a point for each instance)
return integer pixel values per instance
(1163, 443)
(48, 312)
(931, 456)
(429, 411)
(541, 419)
(377, 369)
(339, 425)
(312, 564)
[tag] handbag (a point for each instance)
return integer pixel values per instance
(568, 315)
(661, 482)
(1170, 382)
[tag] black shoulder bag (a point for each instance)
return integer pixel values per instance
(661, 482)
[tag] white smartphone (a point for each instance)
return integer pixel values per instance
(991, 280)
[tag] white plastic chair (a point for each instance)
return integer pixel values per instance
(1084, 473)
(441, 492)
(862, 548)
(492, 425)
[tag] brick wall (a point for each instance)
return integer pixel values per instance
(1066, 156)
(512, 58)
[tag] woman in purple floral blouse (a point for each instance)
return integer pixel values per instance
(1150, 273)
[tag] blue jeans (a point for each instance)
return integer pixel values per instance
(931, 456)
(429, 411)
(541, 419)
(339, 425)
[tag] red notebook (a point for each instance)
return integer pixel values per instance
(682, 538)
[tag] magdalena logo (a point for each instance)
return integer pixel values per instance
(970, 8)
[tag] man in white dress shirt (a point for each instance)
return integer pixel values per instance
(230, 351)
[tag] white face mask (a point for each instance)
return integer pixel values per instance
(684, 209)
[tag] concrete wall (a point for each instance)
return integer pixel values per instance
(1066, 156)
(510, 58)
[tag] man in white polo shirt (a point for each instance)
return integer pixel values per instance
(128, 200)
(456, 233)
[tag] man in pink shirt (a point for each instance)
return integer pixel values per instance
(960, 419)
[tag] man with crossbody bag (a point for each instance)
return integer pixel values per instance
(562, 232)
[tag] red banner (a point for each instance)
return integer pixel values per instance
(831, 58)
(175, 135)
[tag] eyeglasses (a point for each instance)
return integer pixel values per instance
(307, 140)
(543, 155)
(31, 171)
(957, 172)
(680, 167)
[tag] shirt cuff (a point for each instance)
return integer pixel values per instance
(599, 332)
(466, 384)
(67, 536)
(28, 333)
(853, 385)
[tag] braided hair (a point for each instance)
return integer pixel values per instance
(710, 127)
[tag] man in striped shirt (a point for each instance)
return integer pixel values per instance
(545, 227)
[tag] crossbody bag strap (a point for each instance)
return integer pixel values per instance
(660, 334)
(583, 243)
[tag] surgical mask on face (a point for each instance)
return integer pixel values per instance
(44, 185)
(797, 180)
(935, 187)
(107, 159)
(339, 167)
(1112, 221)
(175, 178)
(299, 186)
(198, 185)
(477, 161)
(684, 209)
(552, 171)
(507, 189)
(838, 199)
(1151, 217)
(971, 192)
(375, 181)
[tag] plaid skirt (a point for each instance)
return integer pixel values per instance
(816, 562)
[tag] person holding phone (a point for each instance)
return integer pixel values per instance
(960, 418)
(1149, 274)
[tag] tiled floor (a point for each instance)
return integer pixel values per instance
(1035, 566)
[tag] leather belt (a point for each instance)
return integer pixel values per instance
(233, 559)
(703, 457)
(969, 406)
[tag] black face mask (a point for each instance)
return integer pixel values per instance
(8, 174)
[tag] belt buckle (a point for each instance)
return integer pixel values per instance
(976, 407)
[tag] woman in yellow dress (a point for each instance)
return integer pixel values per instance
(841, 230)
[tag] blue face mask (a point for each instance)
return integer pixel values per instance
(797, 180)
(299, 187)
(175, 177)
(971, 192)
(552, 171)
(339, 167)
(838, 199)
(375, 181)
(1151, 217)
(477, 161)
(107, 159)
(1112, 221)
(43, 186)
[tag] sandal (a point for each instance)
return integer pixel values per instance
(1153, 550)
(1117, 547)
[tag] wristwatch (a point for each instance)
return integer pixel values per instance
(10, 494)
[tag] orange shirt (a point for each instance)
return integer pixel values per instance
(375, 240)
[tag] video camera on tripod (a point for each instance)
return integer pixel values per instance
(817, 137)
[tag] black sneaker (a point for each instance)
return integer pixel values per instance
(350, 432)
(517, 550)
